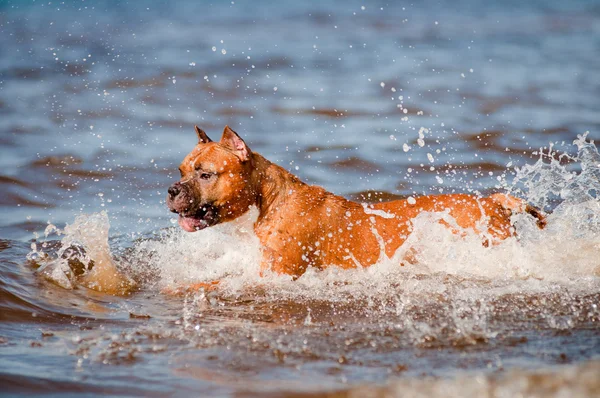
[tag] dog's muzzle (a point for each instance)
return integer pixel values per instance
(191, 218)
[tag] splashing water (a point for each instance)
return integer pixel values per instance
(83, 256)
(547, 181)
(455, 295)
(229, 252)
(565, 251)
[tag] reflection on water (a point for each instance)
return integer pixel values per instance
(372, 101)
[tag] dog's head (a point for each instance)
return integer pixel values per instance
(216, 182)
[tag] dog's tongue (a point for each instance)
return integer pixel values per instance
(191, 224)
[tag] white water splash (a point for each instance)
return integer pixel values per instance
(565, 252)
(228, 251)
(375, 212)
(86, 242)
(550, 179)
(579, 380)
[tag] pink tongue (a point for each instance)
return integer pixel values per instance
(189, 224)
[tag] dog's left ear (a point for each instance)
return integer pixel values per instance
(202, 136)
(232, 141)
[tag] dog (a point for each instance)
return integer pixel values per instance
(301, 225)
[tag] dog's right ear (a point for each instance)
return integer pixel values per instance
(232, 140)
(202, 137)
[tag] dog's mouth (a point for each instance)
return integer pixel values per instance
(205, 217)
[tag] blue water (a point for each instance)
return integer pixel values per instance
(98, 101)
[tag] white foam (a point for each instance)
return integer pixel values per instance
(565, 252)
(89, 232)
(578, 380)
(369, 210)
(229, 251)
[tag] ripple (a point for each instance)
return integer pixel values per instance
(355, 163)
(57, 161)
(12, 181)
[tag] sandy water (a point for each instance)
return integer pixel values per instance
(97, 107)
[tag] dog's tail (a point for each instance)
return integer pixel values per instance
(516, 205)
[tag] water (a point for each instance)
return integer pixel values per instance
(97, 107)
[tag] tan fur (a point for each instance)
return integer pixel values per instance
(300, 225)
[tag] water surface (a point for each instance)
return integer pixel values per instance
(371, 100)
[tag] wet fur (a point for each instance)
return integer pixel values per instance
(301, 226)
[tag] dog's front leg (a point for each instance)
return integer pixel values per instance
(285, 260)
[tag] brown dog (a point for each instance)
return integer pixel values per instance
(300, 225)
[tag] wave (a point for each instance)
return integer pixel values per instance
(577, 380)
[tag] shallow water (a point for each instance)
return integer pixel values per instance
(97, 107)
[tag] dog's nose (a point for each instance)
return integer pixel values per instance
(174, 189)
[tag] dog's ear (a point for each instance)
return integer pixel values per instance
(202, 137)
(232, 141)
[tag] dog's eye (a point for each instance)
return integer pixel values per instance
(206, 176)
